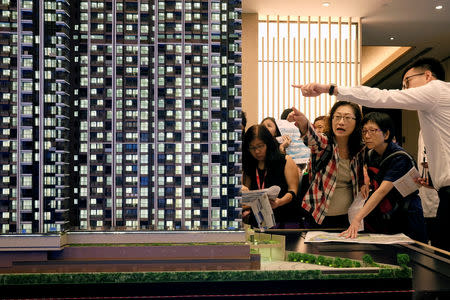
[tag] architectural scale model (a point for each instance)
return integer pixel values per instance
(119, 115)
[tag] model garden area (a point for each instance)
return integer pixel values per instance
(188, 262)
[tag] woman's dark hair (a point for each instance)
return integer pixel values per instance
(273, 154)
(244, 121)
(285, 113)
(383, 121)
(427, 63)
(277, 133)
(355, 139)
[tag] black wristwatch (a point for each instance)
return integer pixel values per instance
(331, 90)
(292, 193)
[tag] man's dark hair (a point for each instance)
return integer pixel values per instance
(285, 113)
(383, 121)
(428, 63)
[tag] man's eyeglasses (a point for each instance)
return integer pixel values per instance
(257, 147)
(407, 79)
(369, 131)
(346, 118)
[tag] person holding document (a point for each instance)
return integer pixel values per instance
(424, 90)
(264, 166)
(387, 210)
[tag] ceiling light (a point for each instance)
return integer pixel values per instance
(325, 4)
(392, 38)
(439, 7)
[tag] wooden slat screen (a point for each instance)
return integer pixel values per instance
(298, 50)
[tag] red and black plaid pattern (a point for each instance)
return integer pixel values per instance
(317, 198)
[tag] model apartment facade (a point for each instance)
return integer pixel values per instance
(119, 115)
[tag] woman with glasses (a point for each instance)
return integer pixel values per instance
(386, 210)
(333, 188)
(265, 166)
(424, 90)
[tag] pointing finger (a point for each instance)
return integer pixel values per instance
(296, 111)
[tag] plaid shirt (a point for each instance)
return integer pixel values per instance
(317, 198)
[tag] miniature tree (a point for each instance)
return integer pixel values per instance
(367, 260)
(402, 259)
(320, 260)
(328, 262)
(405, 271)
(337, 262)
(311, 259)
(347, 263)
(294, 256)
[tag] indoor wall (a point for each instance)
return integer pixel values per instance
(410, 122)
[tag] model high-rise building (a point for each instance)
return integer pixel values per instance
(35, 115)
(123, 111)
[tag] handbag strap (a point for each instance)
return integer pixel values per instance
(387, 159)
(397, 153)
(379, 176)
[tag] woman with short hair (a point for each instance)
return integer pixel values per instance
(386, 210)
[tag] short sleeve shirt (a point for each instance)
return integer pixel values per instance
(396, 168)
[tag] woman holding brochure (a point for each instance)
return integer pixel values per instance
(264, 166)
(386, 210)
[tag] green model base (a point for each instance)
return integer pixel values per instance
(384, 272)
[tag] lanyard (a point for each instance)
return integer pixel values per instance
(258, 182)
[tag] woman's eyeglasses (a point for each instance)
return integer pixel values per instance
(257, 147)
(346, 118)
(370, 131)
